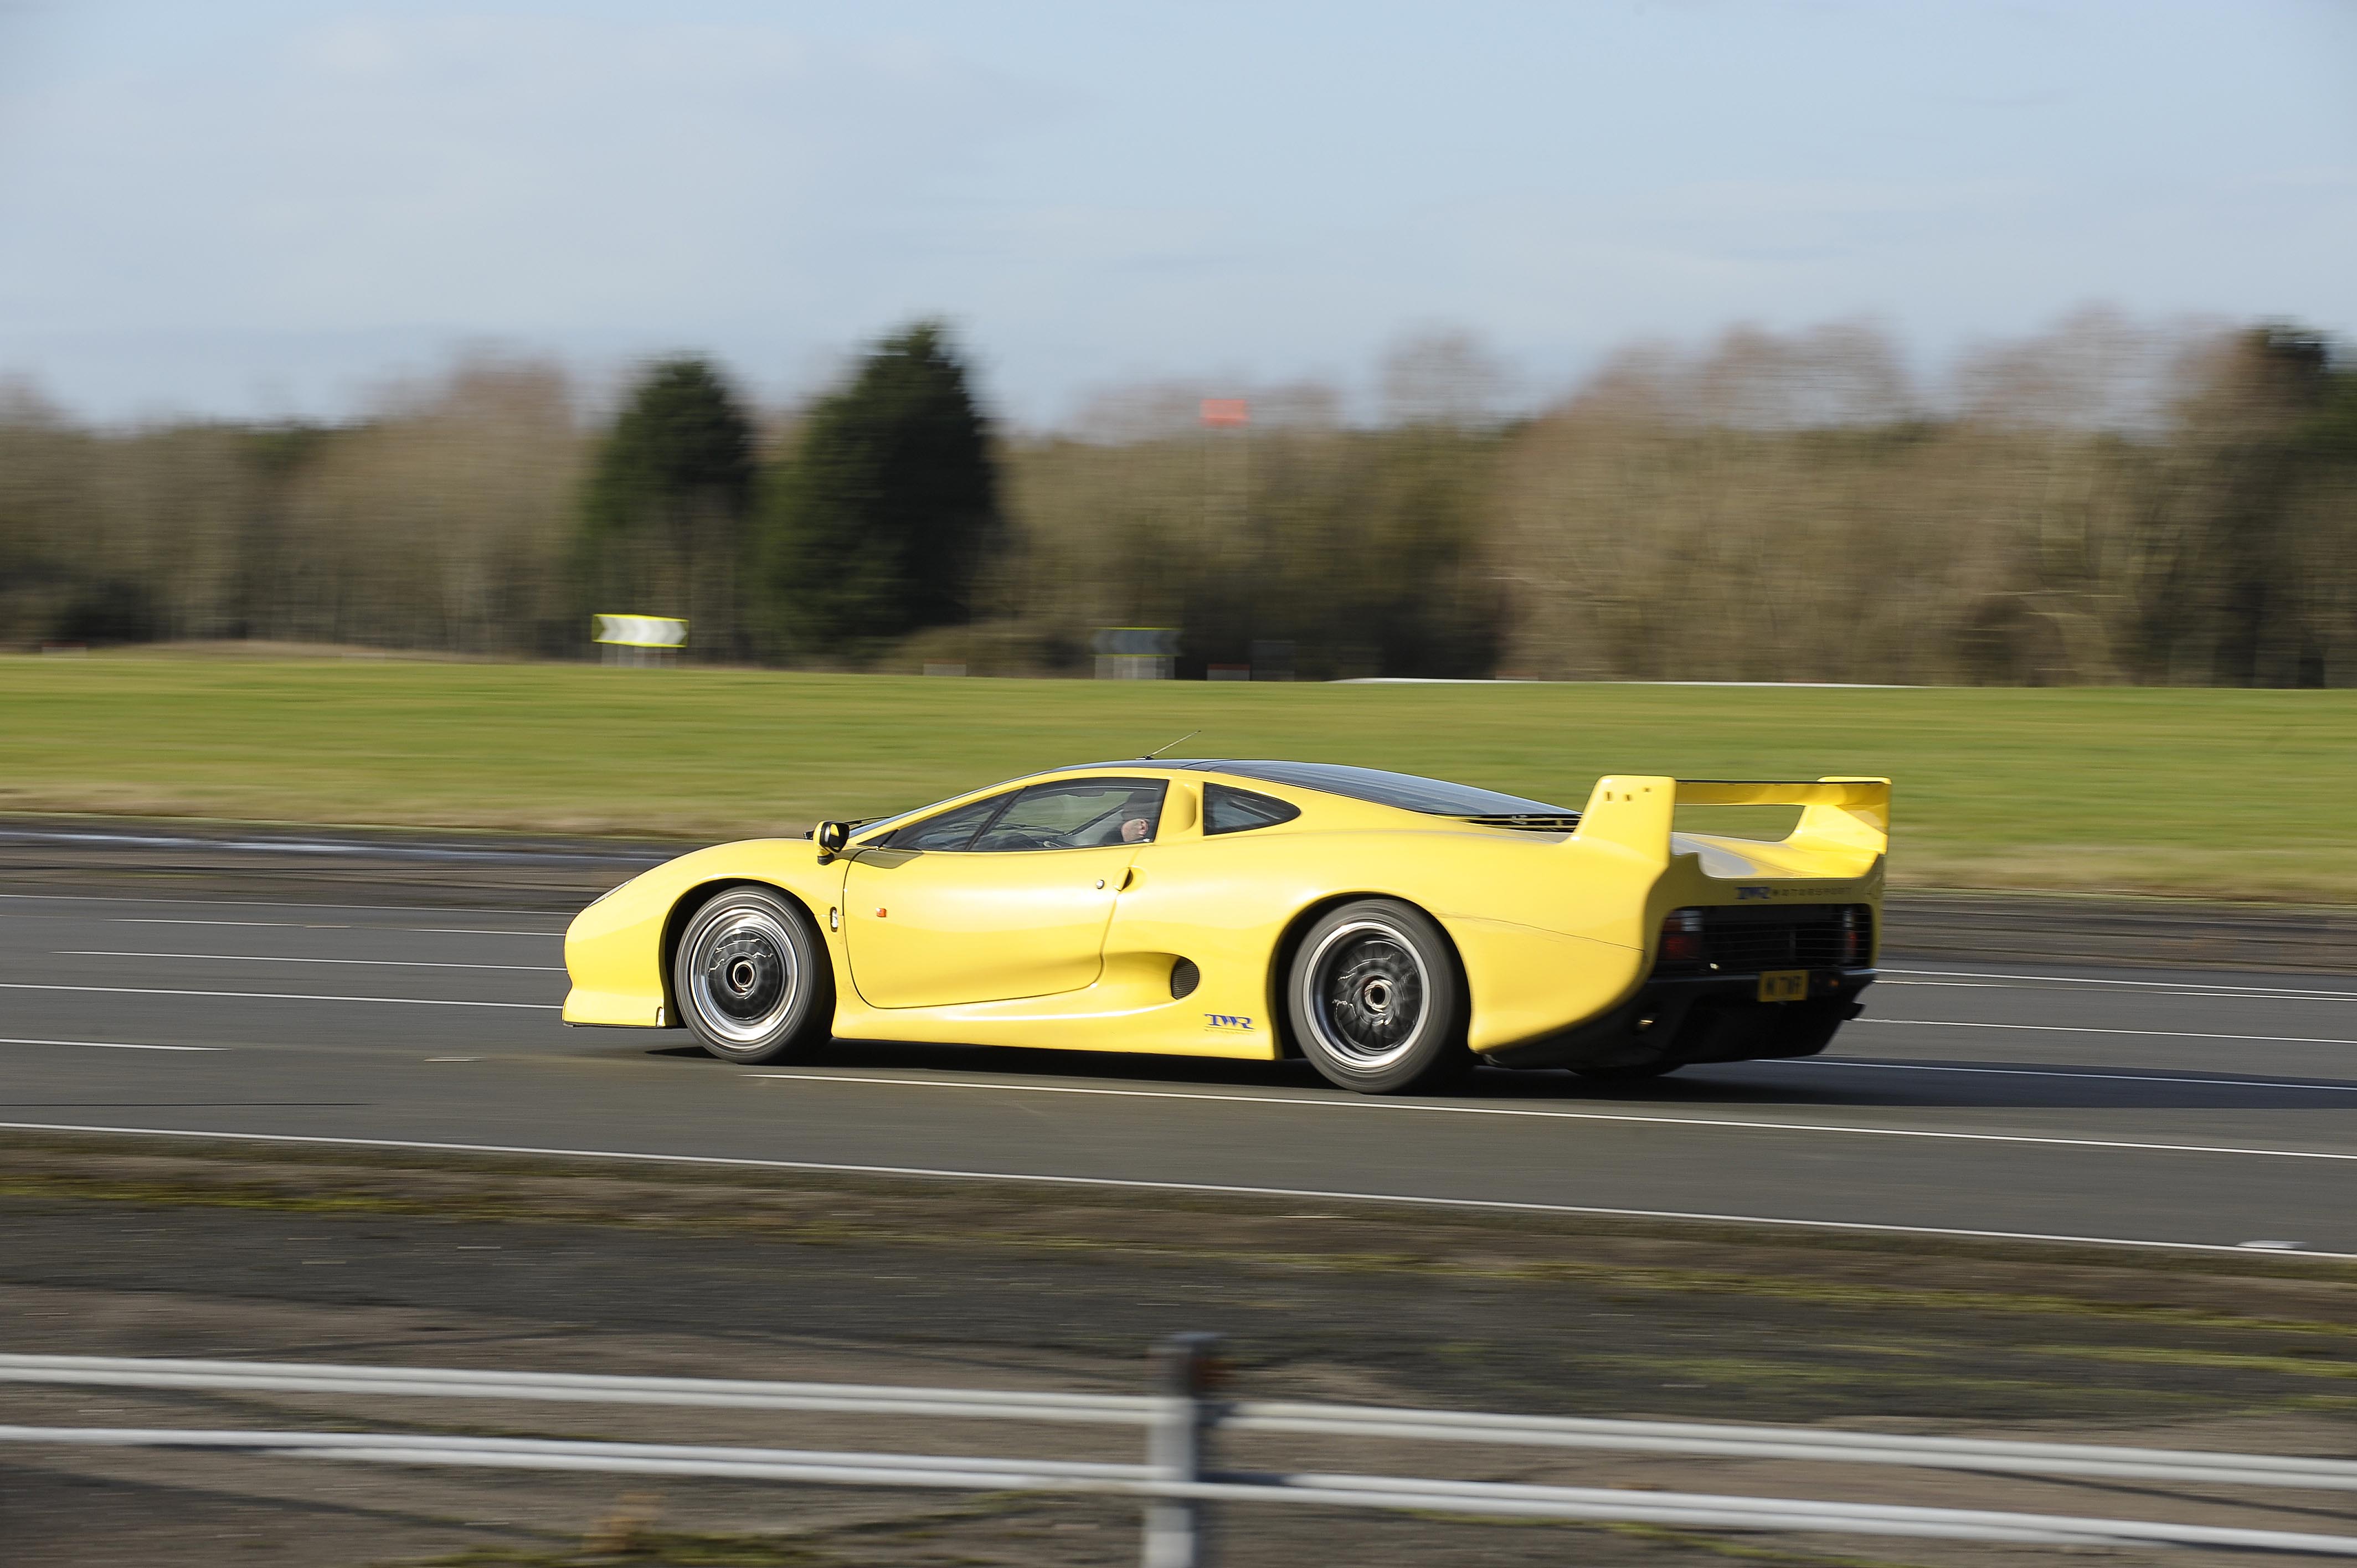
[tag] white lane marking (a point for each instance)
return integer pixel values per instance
(1411, 1201)
(2092, 1029)
(278, 996)
(1416, 1108)
(2210, 995)
(322, 925)
(265, 957)
(272, 925)
(112, 1045)
(247, 903)
(2204, 985)
(2058, 1072)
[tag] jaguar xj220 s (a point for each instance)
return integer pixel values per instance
(1392, 929)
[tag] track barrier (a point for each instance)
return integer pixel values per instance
(1178, 1483)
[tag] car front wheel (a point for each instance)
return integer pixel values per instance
(752, 978)
(1374, 999)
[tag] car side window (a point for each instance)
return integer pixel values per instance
(1228, 809)
(953, 829)
(1078, 813)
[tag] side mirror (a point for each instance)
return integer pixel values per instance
(831, 837)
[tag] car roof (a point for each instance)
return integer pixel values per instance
(1397, 792)
(1405, 791)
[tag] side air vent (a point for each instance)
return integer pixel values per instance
(1184, 977)
(1530, 823)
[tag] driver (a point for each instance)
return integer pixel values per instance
(1138, 830)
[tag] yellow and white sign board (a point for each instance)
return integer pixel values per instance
(640, 631)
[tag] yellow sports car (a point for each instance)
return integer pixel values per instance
(1391, 928)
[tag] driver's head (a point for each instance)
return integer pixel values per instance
(1138, 830)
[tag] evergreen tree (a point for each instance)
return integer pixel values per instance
(664, 517)
(888, 512)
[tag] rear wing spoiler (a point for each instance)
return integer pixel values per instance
(1848, 816)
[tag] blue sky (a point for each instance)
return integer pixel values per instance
(256, 207)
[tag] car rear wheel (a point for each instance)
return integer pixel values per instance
(752, 978)
(1374, 999)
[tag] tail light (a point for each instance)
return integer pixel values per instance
(1857, 936)
(1682, 942)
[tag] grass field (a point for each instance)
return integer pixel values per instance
(2217, 793)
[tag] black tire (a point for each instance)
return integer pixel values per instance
(1375, 1001)
(752, 978)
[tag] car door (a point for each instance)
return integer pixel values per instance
(998, 899)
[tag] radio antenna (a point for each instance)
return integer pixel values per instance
(1160, 749)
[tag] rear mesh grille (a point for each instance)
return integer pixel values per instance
(1797, 936)
(1530, 822)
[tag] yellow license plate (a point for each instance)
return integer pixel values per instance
(1784, 986)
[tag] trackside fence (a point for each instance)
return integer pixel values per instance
(1177, 1483)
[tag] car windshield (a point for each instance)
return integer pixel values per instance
(1435, 796)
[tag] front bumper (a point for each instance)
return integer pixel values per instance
(1682, 1018)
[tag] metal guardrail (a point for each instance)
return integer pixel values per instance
(1177, 1482)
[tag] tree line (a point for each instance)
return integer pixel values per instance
(2101, 504)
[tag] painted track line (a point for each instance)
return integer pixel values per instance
(1404, 1107)
(2091, 1029)
(242, 925)
(2185, 1079)
(1404, 1200)
(2195, 986)
(323, 926)
(112, 1045)
(2329, 998)
(263, 904)
(279, 996)
(270, 958)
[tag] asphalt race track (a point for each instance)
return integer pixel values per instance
(2139, 1106)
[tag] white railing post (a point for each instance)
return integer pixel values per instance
(1178, 1528)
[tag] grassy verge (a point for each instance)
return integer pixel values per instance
(2235, 794)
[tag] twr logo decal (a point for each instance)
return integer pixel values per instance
(1744, 894)
(1225, 1021)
